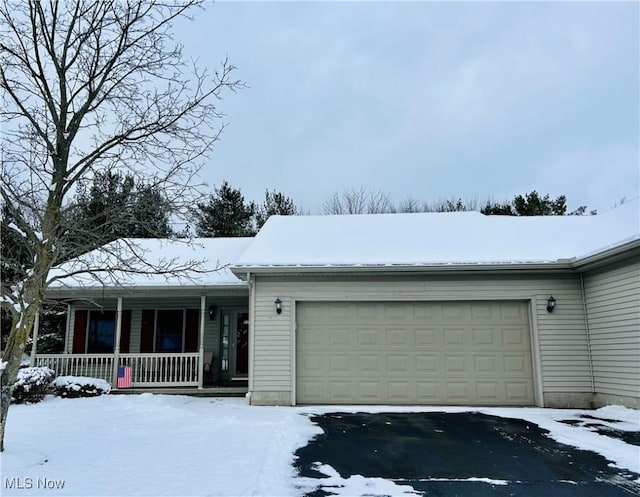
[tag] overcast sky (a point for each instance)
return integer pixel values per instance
(429, 100)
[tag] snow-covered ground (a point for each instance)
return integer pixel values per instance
(174, 445)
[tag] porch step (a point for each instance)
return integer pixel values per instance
(192, 391)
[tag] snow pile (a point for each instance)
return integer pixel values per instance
(354, 484)
(78, 383)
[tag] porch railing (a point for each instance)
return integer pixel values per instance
(147, 370)
(175, 370)
(93, 365)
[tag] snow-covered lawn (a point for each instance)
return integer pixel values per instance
(174, 445)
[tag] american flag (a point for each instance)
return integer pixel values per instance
(124, 377)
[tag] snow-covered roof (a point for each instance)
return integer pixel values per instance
(152, 262)
(437, 238)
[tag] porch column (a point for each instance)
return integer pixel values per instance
(116, 347)
(67, 330)
(34, 345)
(203, 312)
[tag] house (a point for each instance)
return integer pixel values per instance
(430, 308)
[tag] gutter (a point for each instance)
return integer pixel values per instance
(562, 265)
(114, 291)
(613, 254)
(625, 250)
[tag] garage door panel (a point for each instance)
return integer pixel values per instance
(340, 337)
(341, 364)
(454, 337)
(401, 391)
(455, 313)
(370, 364)
(429, 392)
(400, 364)
(423, 313)
(485, 337)
(518, 391)
(515, 337)
(487, 364)
(512, 311)
(402, 337)
(515, 364)
(369, 337)
(489, 391)
(414, 353)
(428, 337)
(429, 364)
(370, 391)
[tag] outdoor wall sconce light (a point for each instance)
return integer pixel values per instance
(212, 312)
(551, 303)
(278, 304)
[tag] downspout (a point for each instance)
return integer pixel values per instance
(203, 310)
(252, 341)
(67, 330)
(116, 350)
(586, 324)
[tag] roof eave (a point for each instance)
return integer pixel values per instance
(562, 265)
(609, 256)
(115, 291)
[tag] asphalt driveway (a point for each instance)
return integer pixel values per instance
(459, 454)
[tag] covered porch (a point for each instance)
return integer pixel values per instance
(175, 340)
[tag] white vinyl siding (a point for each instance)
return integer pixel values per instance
(613, 309)
(560, 337)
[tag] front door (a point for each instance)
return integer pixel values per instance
(234, 344)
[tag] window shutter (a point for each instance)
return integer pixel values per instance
(146, 330)
(125, 332)
(191, 330)
(80, 332)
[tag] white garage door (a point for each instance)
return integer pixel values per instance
(465, 353)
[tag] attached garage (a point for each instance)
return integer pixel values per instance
(443, 309)
(467, 353)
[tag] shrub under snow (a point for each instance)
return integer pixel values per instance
(80, 386)
(32, 384)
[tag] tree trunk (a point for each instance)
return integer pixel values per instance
(20, 329)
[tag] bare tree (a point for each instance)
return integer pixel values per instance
(410, 205)
(87, 87)
(358, 201)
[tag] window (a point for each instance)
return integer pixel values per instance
(169, 327)
(102, 331)
(169, 330)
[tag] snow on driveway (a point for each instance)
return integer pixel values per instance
(175, 445)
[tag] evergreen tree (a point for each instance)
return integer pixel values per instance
(150, 213)
(496, 209)
(532, 204)
(225, 214)
(275, 203)
(112, 206)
